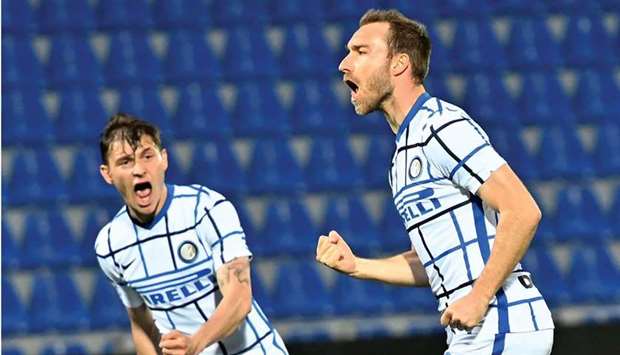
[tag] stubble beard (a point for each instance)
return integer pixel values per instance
(380, 90)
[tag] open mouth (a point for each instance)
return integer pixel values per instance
(353, 86)
(143, 190)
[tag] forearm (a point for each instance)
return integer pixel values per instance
(402, 269)
(514, 233)
(227, 317)
(145, 340)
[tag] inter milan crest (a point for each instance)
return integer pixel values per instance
(415, 168)
(188, 251)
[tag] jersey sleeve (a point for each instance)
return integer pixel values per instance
(222, 230)
(461, 151)
(129, 297)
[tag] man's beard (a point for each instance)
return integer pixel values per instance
(379, 88)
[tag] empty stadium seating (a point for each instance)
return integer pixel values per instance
(252, 89)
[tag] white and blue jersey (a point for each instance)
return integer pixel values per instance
(442, 157)
(170, 266)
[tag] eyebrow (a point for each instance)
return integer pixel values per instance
(356, 47)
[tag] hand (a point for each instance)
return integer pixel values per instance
(334, 252)
(177, 343)
(465, 313)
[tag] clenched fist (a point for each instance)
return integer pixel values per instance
(334, 252)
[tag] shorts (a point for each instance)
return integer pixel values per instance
(531, 343)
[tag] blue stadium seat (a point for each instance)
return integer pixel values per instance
(25, 120)
(175, 173)
(348, 9)
(44, 312)
(463, 8)
(586, 42)
(121, 14)
(106, 309)
(349, 217)
(288, 230)
(51, 349)
(413, 299)
(315, 109)
(258, 111)
(379, 154)
(181, 14)
(274, 169)
(614, 214)
(517, 7)
(85, 182)
(372, 123)
(11, 258)
(13, 311)
(593, 275)
(70, 305)
(190, 58)
(72, 62)
(543, 101)
(477, 47)
(36, 179)
(581, 216)
(20, 65)
(80, 117)
(37, 249)
(200, 114)
(424, 11)
(547, 230)
(573, 6)
(331, 166)
(215, 165)
(546, 275)
(531, 45)
(488, 101)
(360, 297)
(94, 221)
(597, 98)
(508, 144)
(66, 248)
(17, 17)
(10, 350)
(440, 57)
(393, 235)
(435, 85)
(65, 16)
(131, 60)
(561, 154)
(299, 291)
(295, 11)
(77, 349)
(254, 58)
(306, 53)
(260, 293)
(146, 103)
(235, 13)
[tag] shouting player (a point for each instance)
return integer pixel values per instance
(469, 217)
(176, 255)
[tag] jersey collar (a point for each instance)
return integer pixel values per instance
(162, 212)
(414, 110)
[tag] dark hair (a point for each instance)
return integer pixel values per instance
(405, 36)
(128, 128)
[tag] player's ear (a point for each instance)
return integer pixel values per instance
(400, 63)
(164, 158)
(104, 170)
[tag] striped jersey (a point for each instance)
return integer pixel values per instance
(170, 266)
(442, 157)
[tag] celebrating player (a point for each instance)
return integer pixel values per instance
(176, 255)
(468, 216)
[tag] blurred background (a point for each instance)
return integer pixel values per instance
(250, 102)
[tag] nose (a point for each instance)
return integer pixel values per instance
(138, 169)
(345, 66)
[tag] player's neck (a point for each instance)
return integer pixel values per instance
(403, 99)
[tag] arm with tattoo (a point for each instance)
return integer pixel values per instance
(233, 279)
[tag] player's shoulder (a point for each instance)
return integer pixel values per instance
(441, 114)
(119, 223)
(206, 196)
